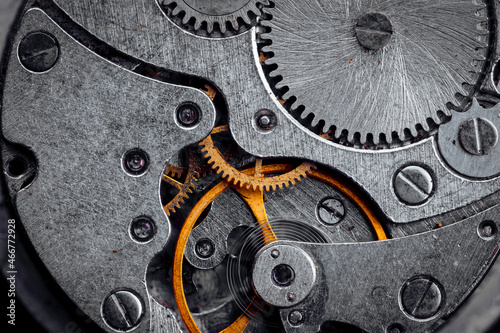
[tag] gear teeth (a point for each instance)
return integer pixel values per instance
(185, 19)
(266, 48)
(222, 26)
(176, 11)
(197, 24)
(204, 23)
(210, 27)
(242, 179)
(192, 176)
(350, 136)
(478, 19)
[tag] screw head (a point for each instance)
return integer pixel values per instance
(413, 185)
(38, 51)
(142, 229)
(275, 253)
(296, 317)
(265, 120)
(421, 297)
(478, 136)
(373, 31)
(188, 114)
(122, 310)
(204, 248)
(330, 210)
(136, 162)
(487, 230)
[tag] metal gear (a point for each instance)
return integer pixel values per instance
(190, 175)
(264, 233)
(408, 62)
(215, 16)
(254, 181)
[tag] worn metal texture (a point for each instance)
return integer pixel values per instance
(218, 14)
(100, 111)
(295, 203)
(162, 319)
(474, 154)
(227, 212)
(299, 282)
(367, 291)
(79, 119)
(435, 48)
(492, 82)
(246, 91)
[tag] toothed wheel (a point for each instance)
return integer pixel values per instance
(173, 177)
(255, 181)
(214, 18)
(376, 67)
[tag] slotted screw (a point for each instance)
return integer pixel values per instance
(478, 136)
(330, 210)
(38, 51)
(122, 310)
(373, 31)
(413, 185)
(421, 297)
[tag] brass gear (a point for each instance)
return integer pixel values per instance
(256, 203)
(255, 181)
(190, 174)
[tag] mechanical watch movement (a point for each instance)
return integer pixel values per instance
(251, 166)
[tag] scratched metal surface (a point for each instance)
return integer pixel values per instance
(483, 314)
(146, 33)
(78, 209)
(425, 64)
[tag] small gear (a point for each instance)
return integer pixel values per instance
(184, 188)
(255, 181)
(407, 63)
(216, 16)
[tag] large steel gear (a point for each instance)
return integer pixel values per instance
(404, 61)
(219, 15)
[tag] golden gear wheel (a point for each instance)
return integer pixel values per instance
(190, 175)
(255, 181)
(255, 201)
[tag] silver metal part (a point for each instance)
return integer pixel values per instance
(331, 210)
(245, 94)
(301, 278)
(455, 146)
(79, 118)
(162, 319)
(421, 297)
(374, 282)
(414, 185)
(122, 310)
(432, 49)
(215, 14)
(296, 203)
(38, 51)
(79, 115)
